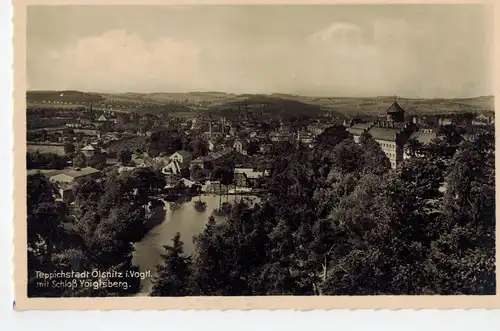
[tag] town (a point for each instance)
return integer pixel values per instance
(102, 174)
(70, 144)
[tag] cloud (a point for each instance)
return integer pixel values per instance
(373, 56)
(349, 59)
(118, 60)
(342, 39)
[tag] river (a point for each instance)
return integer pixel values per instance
(182, 218)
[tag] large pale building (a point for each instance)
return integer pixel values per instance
(391, 133)
(391, 137)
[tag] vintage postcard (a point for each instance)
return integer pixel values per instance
(252, 155)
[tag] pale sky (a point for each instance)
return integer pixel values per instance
(328, 50)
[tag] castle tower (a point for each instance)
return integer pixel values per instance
(395, 113)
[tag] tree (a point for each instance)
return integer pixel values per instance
(125, 156)
(207, 276)
(48, 241)
(97, 161)
(331, 137)
(339, 222)
(199, 148)
(374, 161)
(463, 254)
(80, 161)
(45, 215)
(197, 174)
(253, 147)
(166, 141)
(173, 277)
(69, 148)
(45, 161)
(414, 147)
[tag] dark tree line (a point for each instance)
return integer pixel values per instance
(39, 160)
(338, 221)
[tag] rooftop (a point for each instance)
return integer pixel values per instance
(395, 108)
(88, 148)
(423, 136)
(76, 173)
(102, 118)
(45, 172)
(185, 154)
(356, 131)
(362, 126)
(380, 133)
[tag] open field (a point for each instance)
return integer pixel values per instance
(45, 149)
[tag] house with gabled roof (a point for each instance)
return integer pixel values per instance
(183, 157)
(238, 146)
(91, 150)
(69, 176)
(206, 162)
(102, 118)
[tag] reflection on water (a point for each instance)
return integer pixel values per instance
(181, 218)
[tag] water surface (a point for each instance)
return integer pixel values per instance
(182, 218)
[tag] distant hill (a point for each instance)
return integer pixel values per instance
(278, 107)
(63, 96)
(277, 102)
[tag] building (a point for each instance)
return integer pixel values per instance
(102, 119)
(395, 113)
(305, 137)
(67, 179)
(212, 135)
(317, 128)
(282, 136)
(206, 162)
(357, 129)
(103, 123)
(172, 171)
(392, 134)
(76, 175)
(211, 145)
(182, 157)
(247, 176)
(238, 146)
(90, 150)
(66, 192)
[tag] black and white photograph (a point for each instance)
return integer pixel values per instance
(260, 150)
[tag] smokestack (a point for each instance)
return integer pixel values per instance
(378, 108)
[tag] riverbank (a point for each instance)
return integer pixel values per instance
(224, 191)
(179, 216)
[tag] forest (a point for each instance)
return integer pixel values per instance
(337, 221)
